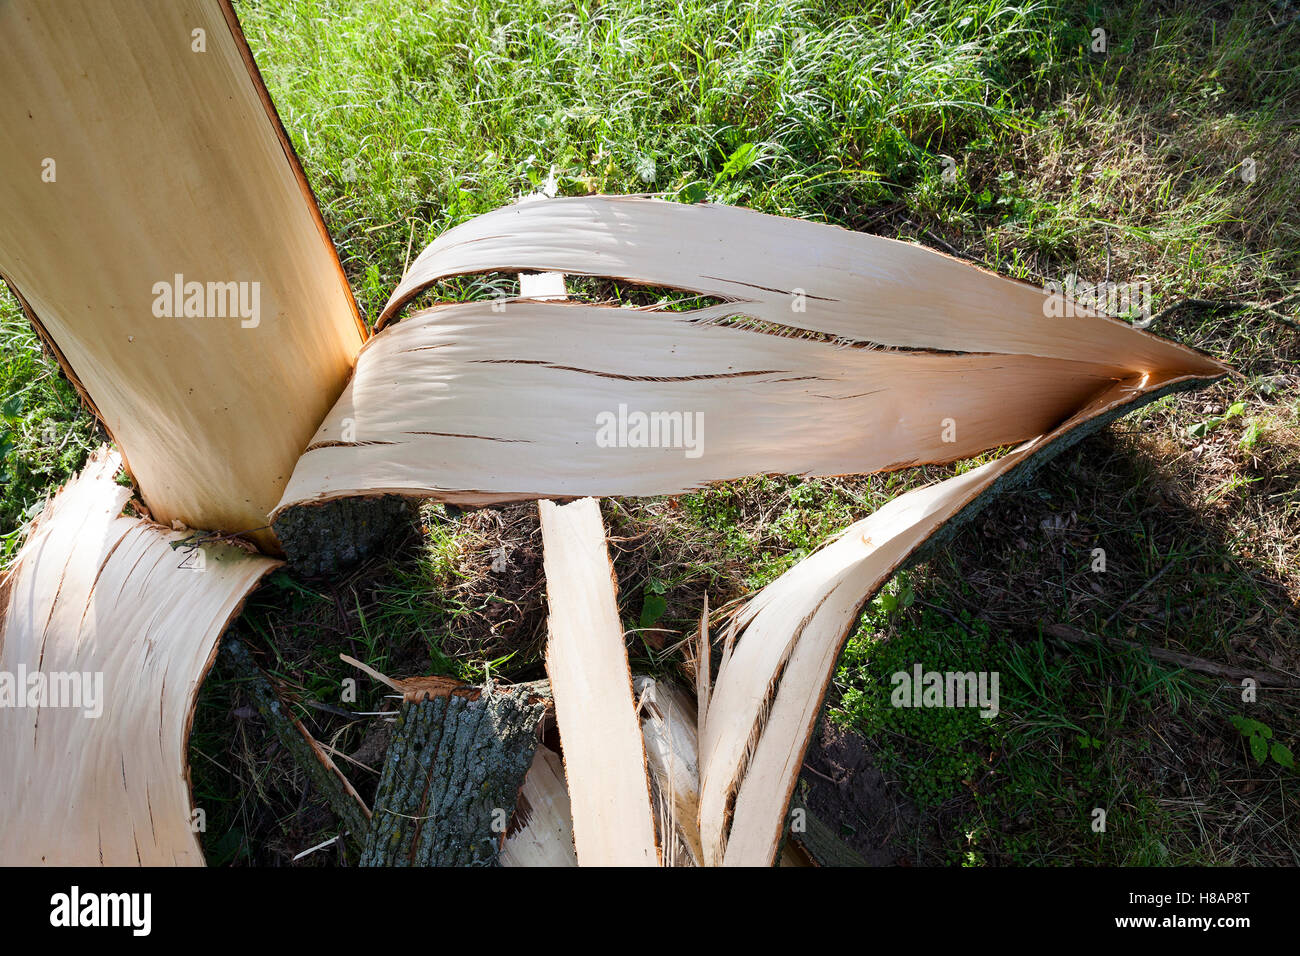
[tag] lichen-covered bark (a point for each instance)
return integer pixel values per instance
(325, 539)
(452, 777)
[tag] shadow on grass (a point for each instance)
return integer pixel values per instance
(1087, 726)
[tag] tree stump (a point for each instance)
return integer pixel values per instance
(452, 776)
(335, 536)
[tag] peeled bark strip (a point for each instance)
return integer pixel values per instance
(451, 779)
(586, 659)
(93, 592)
(785, 641)
(934, 359)
(139, 151)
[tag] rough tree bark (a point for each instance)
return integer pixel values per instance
(326, 539)
(452, 777)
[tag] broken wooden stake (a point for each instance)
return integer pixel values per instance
(604, 757)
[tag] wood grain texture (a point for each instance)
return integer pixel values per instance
(586, 660)
(866, 349)
(471, 405)
(784, 642)
(790, 272)
(169, 161)
(93, 592)
(669, 728)
(544, 835)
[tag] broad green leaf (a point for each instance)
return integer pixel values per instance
(652, 609)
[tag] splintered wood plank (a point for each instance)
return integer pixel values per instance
(792, 273)
(786, 639)
(833, 353)
(544, 834)
(121, 628)
(669, 727)
(586, 659)
(141, 158)
(444, 404)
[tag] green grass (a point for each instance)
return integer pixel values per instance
(1072, 735)
(411, 118)
(987, 129)
(45, 435)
